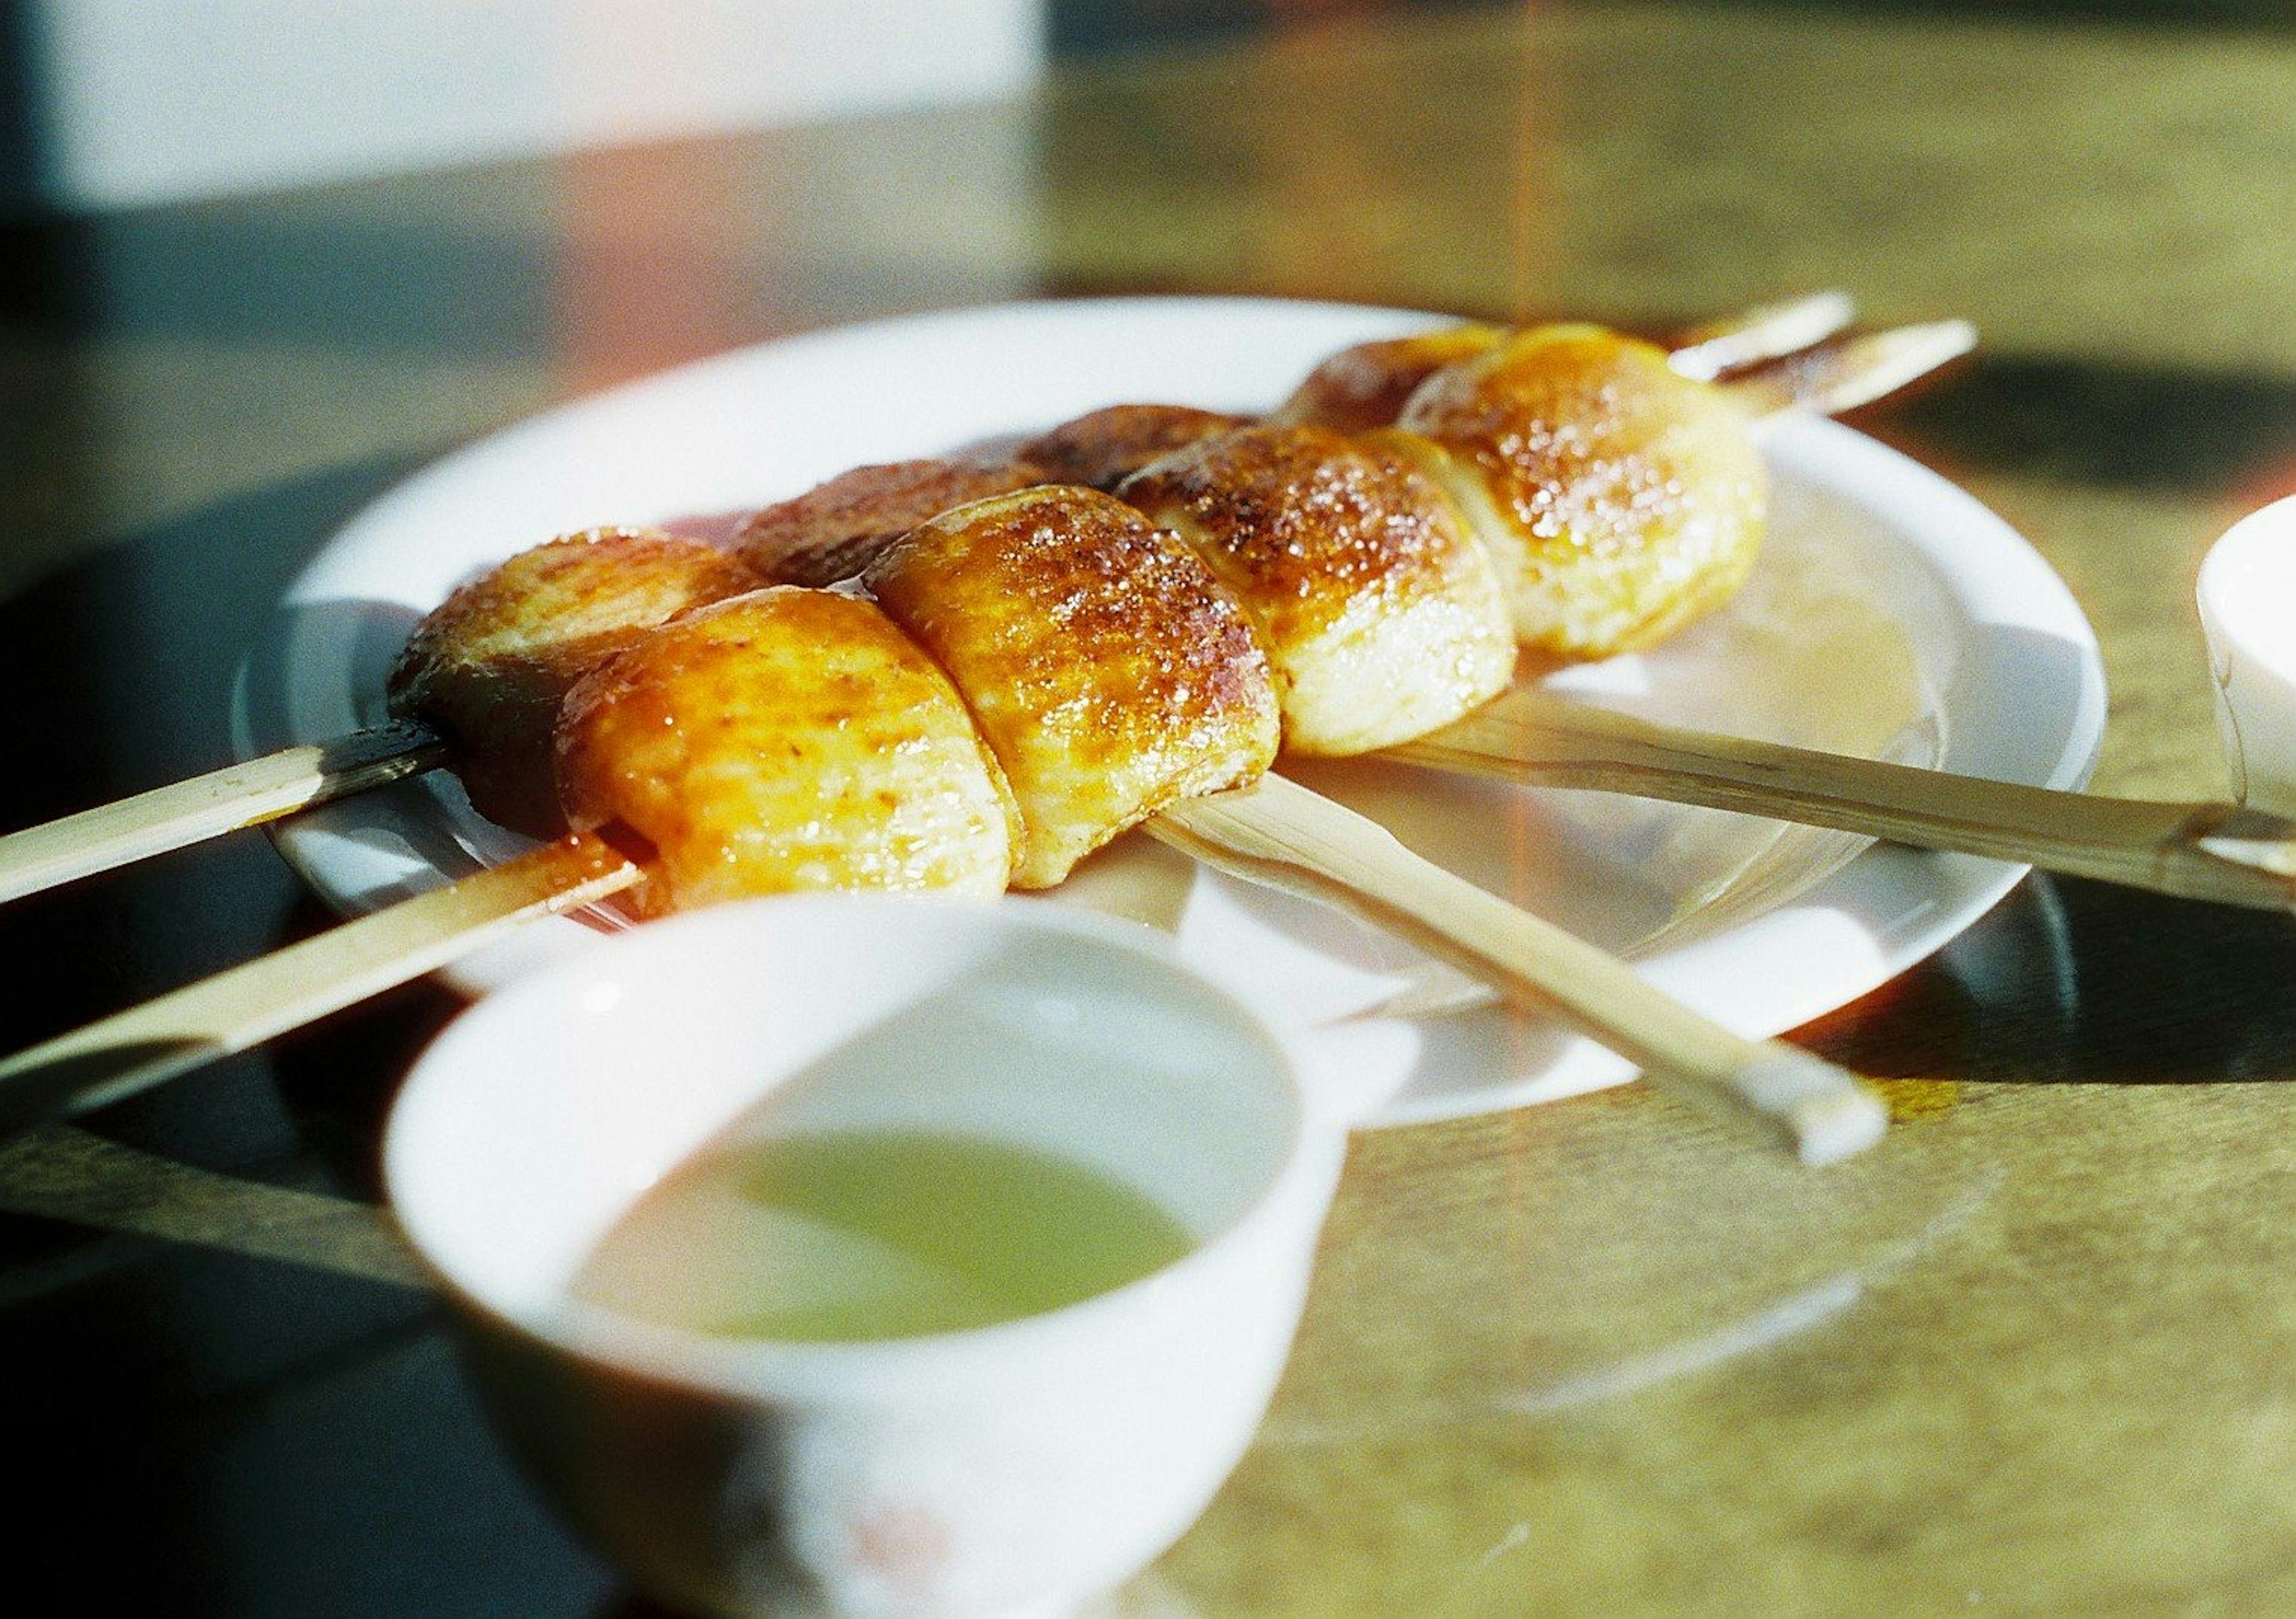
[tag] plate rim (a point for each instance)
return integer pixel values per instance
(1965, 887)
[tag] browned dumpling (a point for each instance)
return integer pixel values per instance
(1109, 672)
(1102, 449)
(1366, 386)
(783, 740)
(488, 667)
(830, 531)
(1383, 617)
(1619, 499)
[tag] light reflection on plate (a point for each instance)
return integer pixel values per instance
(1891, 614)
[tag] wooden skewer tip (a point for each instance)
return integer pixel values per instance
(1924, 347)
(1826, 1114)
(2257, 839)
(1767, 331)
(1840, 376)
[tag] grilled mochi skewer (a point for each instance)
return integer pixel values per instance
(1391, 573)
(817, 538)
(1587, 464)
(2188, 849)
(1046, 665)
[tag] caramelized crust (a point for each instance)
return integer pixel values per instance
(830, 531)
(1101, 450)
(1366, 386)
(1109, 672)
(783, 740)
(488, 667)
(1620, 499)
(1382, 619)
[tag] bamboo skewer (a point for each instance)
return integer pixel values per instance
(1767, 331)
(2219, 852)
(243, 1007)
(1280, 834)
(1275, 831)
(203, 806)
(1836, 377)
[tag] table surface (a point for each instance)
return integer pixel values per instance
(2037, 1354)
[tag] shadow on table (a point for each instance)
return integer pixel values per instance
(2097, 422)
(2072, 981)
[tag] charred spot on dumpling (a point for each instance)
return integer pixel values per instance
(785, 740)
(488, 667)
(1108, 670)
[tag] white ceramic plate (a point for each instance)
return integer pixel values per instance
(1891, 614)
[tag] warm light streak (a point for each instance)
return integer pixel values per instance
(646, 276)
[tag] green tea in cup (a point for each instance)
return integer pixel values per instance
(854, 1235)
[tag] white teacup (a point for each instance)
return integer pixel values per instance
(2247, 594)
(1023, 1466)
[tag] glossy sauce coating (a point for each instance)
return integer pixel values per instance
(1383, 617)
(786, 739)
(488, 667)
(1109, 672)
(1619, 500)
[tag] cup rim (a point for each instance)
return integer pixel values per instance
(2275, 522)
(1307, 1157)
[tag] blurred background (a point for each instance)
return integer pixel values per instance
(112, 105)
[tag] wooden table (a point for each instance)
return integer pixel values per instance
(2035, 1355)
